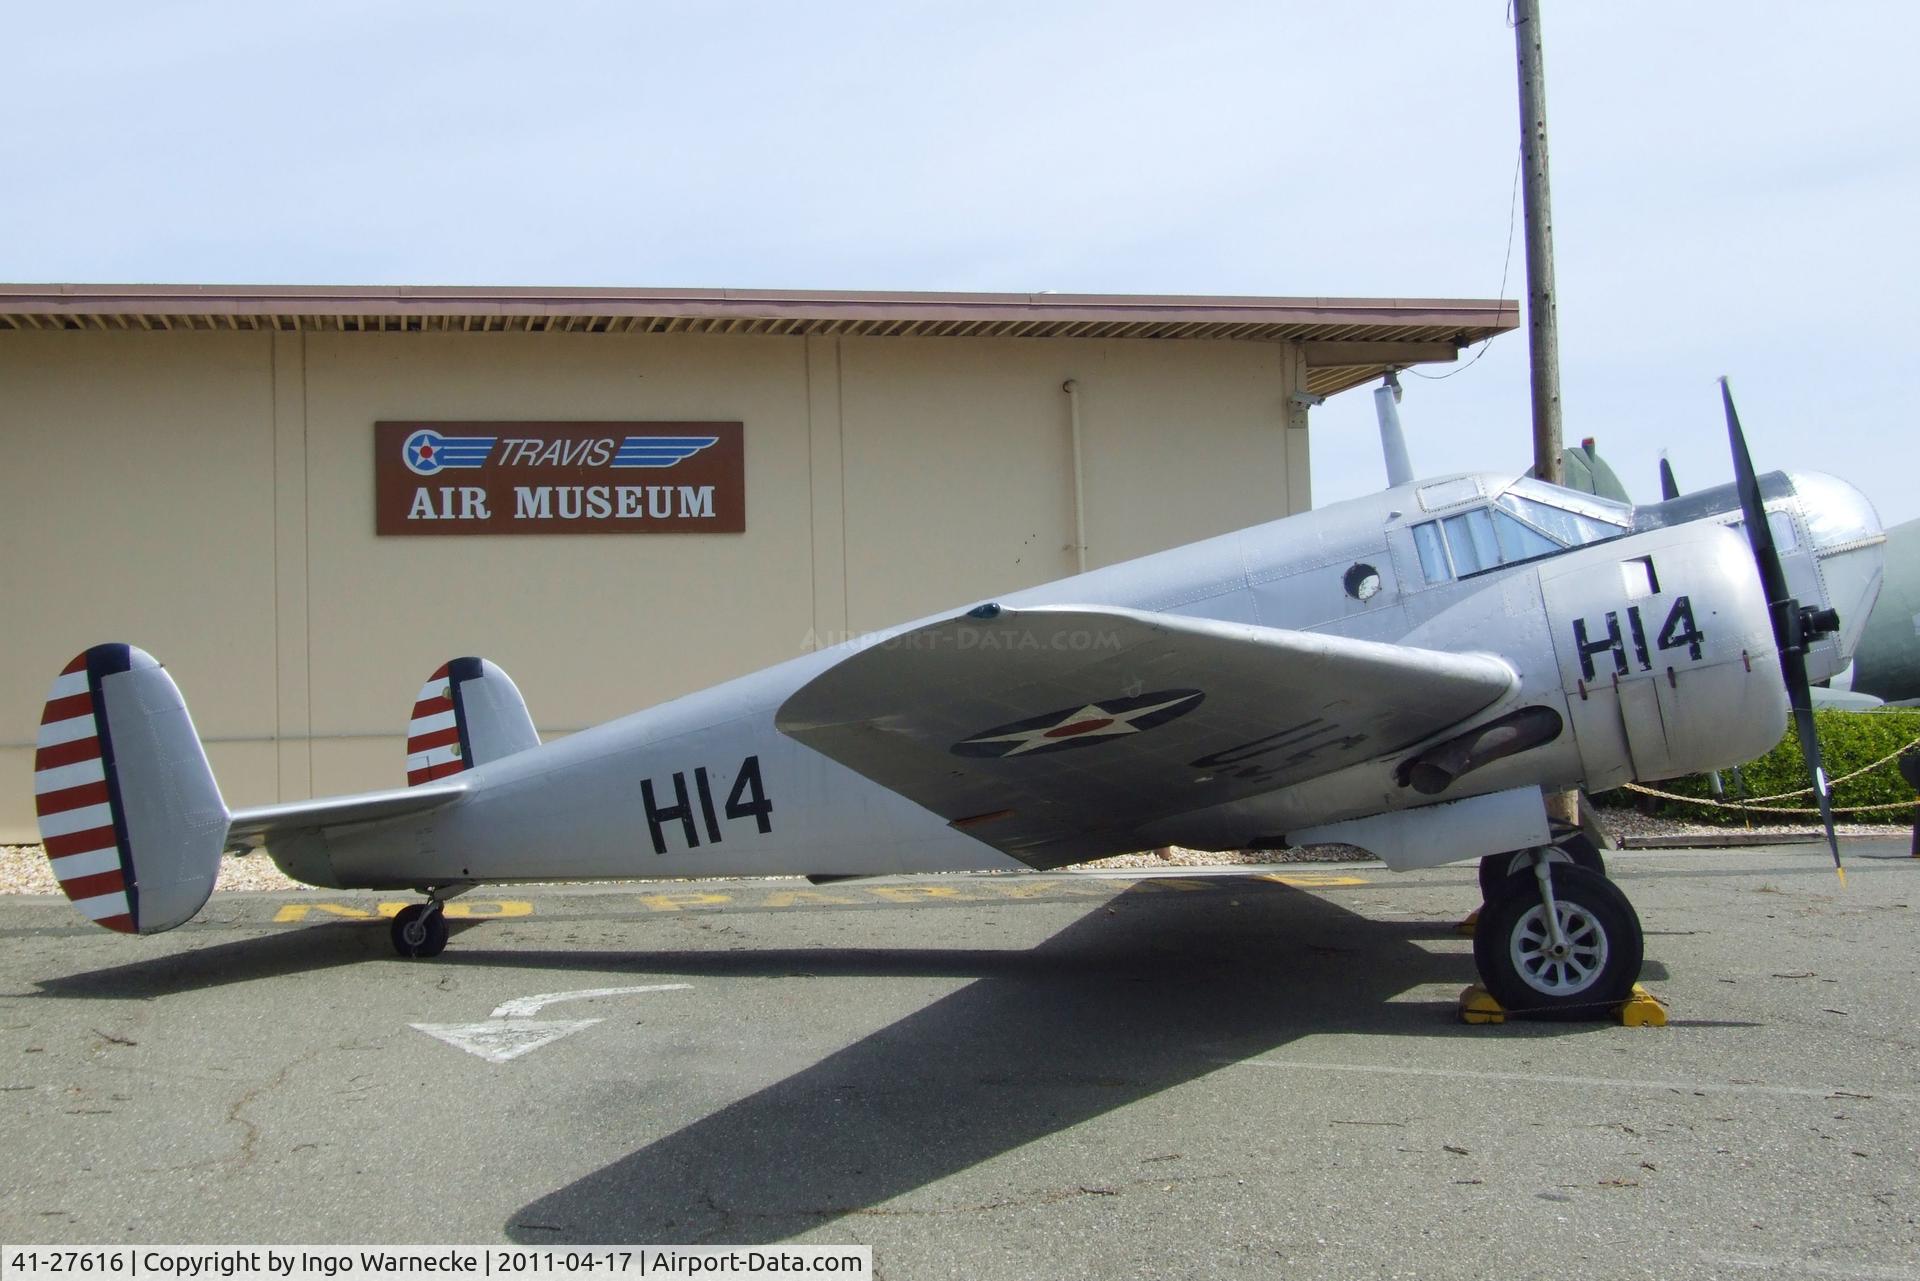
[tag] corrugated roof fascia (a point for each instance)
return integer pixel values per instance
(1483, 315)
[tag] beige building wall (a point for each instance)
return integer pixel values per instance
(209, 498)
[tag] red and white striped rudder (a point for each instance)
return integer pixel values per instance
(131, 819)
(468, 713)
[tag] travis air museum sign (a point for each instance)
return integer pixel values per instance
(559, 478)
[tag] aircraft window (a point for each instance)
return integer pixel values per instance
(1362, 581)
(1471, 538)
(1782, 526)
(1565, 527)
(1478, 540)
(1556, 497)
(1433, 552)
(1519, 540)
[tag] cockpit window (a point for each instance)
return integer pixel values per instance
(1529, 520)
(1604, 510)
(1567, 528)
(1784, 539)
(1471, 538)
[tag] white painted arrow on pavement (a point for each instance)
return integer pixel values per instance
(526, 1006)
(496, 1042)
(511, 1031)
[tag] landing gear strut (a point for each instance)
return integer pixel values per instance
(1562, 942)
(1569, 845)
(420, 929)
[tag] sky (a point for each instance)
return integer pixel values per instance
(1734, 184)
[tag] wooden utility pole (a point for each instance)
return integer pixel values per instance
(1543, 341)
(1543, 336)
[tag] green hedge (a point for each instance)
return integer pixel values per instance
(1848, 740)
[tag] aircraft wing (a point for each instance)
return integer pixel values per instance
(1054, 733)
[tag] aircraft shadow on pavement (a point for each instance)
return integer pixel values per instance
(1117, 1007)
(191, 969)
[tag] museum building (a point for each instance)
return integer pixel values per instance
(303, 500)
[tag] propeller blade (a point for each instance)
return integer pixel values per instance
(1785, 614)
(1759, 534)
(1810, 752)
(1669, 487)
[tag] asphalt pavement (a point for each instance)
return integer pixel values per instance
(1251, 1073)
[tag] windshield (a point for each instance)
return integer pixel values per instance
(1571, 518)
(1529, 520)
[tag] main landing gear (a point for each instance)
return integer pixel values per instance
(1570, 845)
(1556, 938)
(420, 929)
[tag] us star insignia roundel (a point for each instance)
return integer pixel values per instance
(1081, 726)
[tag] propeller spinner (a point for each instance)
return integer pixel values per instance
(1794, 627)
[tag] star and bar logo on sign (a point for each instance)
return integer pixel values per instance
(1081, 726)
(426, 452)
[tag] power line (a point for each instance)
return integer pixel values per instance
(1506, 268)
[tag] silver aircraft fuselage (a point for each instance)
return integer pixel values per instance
(1649, 637)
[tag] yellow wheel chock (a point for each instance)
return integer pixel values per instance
(1641, 1008)
(1478, 1006)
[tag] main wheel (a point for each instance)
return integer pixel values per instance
(1577, 847)
(419, 930)
(1513, 946)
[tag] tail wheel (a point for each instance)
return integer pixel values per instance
(420, 930)
(1525, 970)
(1570, 845)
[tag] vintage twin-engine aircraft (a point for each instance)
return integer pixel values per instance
(1405, 672)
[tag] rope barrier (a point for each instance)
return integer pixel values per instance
(1758, 805)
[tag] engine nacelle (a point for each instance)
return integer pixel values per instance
(1668, 661)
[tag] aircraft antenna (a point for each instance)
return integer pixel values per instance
(1393, 441)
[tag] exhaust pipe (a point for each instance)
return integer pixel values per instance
(1440, 766)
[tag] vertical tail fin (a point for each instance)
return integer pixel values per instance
(468, 713)
(129, 813)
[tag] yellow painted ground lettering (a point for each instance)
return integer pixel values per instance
(1309, 880)
(789, 898)
(682, 900)
(483, 908)
(914, 893)
(1042, 886)
(290, 912)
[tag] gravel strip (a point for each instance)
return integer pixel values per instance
(24, 870)
(1631, 822)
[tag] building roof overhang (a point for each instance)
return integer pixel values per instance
(1346, 341)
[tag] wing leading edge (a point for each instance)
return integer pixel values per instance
(1054, 733)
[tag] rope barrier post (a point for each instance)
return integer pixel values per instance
(1910, 770)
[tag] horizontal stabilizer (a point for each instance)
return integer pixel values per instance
(256, 828)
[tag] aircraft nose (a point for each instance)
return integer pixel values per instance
(1849, 546)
